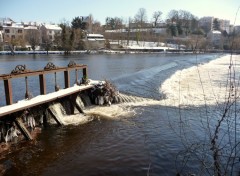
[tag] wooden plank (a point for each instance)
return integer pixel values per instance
(54, 115)
(85, 73)
(74, 104)
(42, 82)
(79, 108)
(66, 79)
(23, 129)
(8, 91)
(5, 110)
(38, 72)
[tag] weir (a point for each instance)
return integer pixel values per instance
(21, 118)
(18, 121)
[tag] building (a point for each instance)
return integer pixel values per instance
(139, 25)
(206, 23)
(13, 32)
(6, 22)
(237, 29)
(224, 25)
(94, 41)
(1, 41)
(48, 32)
(1, 37)
(215, 38)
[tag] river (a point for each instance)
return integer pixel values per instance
(135, 138)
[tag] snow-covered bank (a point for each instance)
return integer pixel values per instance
(102, 51)
(126, 47)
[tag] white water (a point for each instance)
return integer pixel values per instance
(113, 112)
(65, 119)
(202, 84)
(110, 112)
(197, 85)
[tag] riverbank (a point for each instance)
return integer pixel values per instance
(118, 51)
(102, 51)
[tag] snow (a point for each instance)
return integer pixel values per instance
(95, 35)
(216, 32)
(52, 27)
(96, 39)
(23, 104)
(31, 27)
(145, 45)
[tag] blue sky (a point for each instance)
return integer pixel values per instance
(58, 10)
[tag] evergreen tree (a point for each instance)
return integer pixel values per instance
(216, 24)
(77, 23)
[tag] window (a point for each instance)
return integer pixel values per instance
(19, 31)
(7, 31)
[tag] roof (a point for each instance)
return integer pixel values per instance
(31, 27)
(6, 20)
(86, 19)
(52, 27)
(14, 26)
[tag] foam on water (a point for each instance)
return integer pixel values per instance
(65, 119)
(110, 112)
(197, 85)
(76, 119)
(202, 84)
(117, 111)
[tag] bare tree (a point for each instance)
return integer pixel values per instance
(216, 151)
(32, 37)
(173, 16)
(141, 17)
(96, 27)
(183, 20)
(156, 17)
(114, 23)
(128, 30)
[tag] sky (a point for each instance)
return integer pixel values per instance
(57, 11)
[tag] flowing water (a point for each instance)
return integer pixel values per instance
(164, 95)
